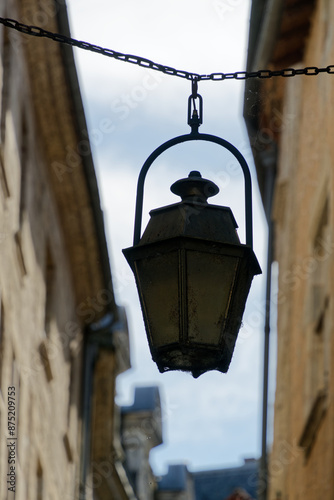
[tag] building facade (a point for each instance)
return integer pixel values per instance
(290, 123)
(177, 484)
(233, 483)
(141, 430)
(63, 339)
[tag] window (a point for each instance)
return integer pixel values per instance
(39, 483)
(5, 61)
(23, 162)
(43, 352)
(49, 291)
(5, 67)
(319, 276)
(49, 312)
(319, 298)
(22, 207)
(71, 388)
(317, 331)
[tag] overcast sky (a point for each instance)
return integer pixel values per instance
(213, 421)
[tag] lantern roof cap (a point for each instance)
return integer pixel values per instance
(193, 216)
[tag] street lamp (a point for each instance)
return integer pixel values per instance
(192, 273)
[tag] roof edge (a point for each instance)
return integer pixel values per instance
(81, 126)
(264, 29)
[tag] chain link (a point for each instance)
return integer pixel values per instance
(146, 63)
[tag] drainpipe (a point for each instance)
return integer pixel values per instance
(98, 335)
(90, 355)
(269, 163)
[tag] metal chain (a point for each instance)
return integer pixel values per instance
(146, 63)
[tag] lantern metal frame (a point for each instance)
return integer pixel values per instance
(163, 355)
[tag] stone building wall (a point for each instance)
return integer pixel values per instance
(41, 342)
(56, 291)
(304, 218)
(302, 458)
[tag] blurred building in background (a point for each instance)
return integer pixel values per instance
(141, 431)
(228, 483)
(235, 483)
(177, 484)
(290, 123)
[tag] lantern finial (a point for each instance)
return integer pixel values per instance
(194, 188)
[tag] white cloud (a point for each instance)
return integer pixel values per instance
(178, 32)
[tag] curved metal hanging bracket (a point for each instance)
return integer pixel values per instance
(195, 135)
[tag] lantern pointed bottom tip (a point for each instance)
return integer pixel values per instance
(191, 368)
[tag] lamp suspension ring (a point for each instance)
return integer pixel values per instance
(195, 119)
(195, 136)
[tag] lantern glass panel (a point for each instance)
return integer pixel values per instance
(210, 280)
(158, 282)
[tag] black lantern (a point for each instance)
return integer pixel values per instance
(192, 273)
